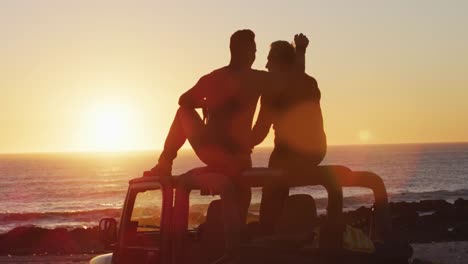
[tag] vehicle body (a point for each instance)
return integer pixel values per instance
(157, 224)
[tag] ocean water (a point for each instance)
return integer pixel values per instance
(78, 189)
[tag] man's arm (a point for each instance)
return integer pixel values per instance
(300, 42)
(196, 96)
(263, 123)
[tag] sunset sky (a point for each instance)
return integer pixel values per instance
(106, 75)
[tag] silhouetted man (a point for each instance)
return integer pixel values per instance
(223, 138)
(293, 108)
(228, 97)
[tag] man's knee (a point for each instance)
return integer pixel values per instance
(185, 112)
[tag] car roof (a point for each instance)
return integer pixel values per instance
(200, 178)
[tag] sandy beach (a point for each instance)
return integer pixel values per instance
(440, 253)
(443, 252)
(45, 259)
(436, 229)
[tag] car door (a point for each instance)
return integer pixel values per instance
(141, 233)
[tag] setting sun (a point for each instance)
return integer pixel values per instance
(364, 136)
(109, 127)
(342, 117)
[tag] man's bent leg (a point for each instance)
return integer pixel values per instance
(187, 124)
(273, 197)
(271, 206)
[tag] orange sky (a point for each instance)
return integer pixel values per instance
(106, 75)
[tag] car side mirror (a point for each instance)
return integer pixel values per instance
(108, 232)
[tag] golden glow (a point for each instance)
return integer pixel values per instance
(108, 127)
(365, 136)
(106, 75)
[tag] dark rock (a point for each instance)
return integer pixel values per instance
(433, 205)
(439, 218)
(363, 212)
(461, 210)
(460, 202)
(461, 231)
(403, 207)
(35, 240)
(419, 261)
(406, 219)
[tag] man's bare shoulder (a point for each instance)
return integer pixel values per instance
(217, 72)
(220, 70)
(214, 75)
(309, 78)
(312, 84)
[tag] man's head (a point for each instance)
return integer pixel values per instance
(281, 56)
(243, 48)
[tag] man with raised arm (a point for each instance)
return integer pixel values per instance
(293, 108)
(228, 97)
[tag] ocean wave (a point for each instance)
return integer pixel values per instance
(91, 215)
(352, 202)
(449, 195)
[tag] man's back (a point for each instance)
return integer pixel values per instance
(230, 97)
(297, 116)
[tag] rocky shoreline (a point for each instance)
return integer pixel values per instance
(27, 240)
(426, 221)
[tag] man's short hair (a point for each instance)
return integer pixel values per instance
(240, 40)
(282, 52)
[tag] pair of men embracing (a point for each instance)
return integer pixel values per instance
(224, 137)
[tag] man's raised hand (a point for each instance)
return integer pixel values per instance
(301, 41)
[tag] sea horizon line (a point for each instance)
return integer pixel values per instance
(142, 150)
